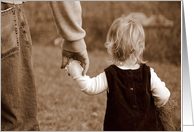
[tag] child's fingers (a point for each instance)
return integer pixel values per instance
(66, 69)
(70, 60)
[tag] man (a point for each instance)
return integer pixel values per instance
(18, 92)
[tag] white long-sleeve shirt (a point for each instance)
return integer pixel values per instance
(99, 83)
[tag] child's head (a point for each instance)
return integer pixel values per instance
(125, 40)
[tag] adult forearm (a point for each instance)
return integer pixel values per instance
(67, 16)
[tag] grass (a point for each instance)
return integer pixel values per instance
(63, 107)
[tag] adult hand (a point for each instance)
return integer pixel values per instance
(81, 56)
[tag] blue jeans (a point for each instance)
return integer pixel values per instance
(18, 91)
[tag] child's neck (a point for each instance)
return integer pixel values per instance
(128, 64)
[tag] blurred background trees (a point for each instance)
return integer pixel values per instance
(163, 44)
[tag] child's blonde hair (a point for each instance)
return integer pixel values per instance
(126, 39)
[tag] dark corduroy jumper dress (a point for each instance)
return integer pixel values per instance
(130, 105)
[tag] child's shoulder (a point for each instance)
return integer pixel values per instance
(110, 68)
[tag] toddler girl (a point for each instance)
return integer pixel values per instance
(134, 91)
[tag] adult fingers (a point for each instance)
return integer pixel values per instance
(64, 62)
(83, 55)
(85, 66)
(65, 57)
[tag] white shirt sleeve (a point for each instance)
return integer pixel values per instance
(160, 93)
(88, 85)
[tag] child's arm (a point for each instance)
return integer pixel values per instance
(160, 93)
(88, 85)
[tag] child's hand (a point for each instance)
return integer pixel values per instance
(74, 68)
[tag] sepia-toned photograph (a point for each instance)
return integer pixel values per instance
(91, 66)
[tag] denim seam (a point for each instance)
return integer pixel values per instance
(5, 12)
(16, 28)
(9, 53)
(23, 26)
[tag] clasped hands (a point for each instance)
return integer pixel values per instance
(82, 57)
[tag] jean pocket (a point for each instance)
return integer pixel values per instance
(9, 33)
